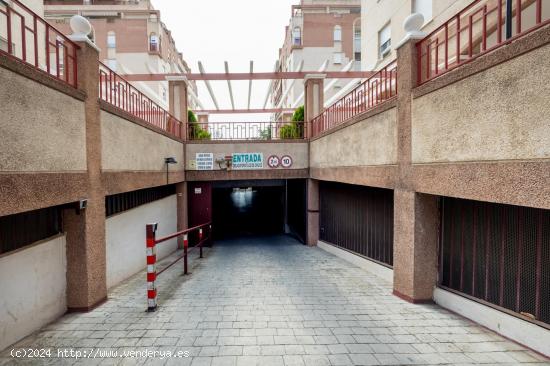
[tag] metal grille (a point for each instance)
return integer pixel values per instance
(125, 201)
(359, 219)
(20, 230)
(497, 253)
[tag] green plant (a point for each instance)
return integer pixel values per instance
(294, 129)
(196, 131)
(191, 116)
(298, 115)
(265, 134)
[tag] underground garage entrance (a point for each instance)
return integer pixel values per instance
(250, 208)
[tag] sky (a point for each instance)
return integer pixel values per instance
(237, 31)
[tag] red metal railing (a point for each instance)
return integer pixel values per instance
(116, 90)
(377, 89)
(29, 38)
(151, 241)
(476, 30)
(247, 131)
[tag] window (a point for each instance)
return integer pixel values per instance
(297, 36)
(125, 201)
(337, 57)
(20, 230)
(111, 40)
(154, 43)
(423, 7)
(384, 41)
(337, 34)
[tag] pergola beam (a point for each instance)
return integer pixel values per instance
(250, 83)
(229, 85)
(270, 88)
(212, 95)
(286, 75)
(242, 111)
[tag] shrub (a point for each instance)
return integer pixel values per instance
(294, 129)
(197, 133)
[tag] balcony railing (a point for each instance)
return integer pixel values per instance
(116, 90)
(29, 38)
(479, 28)
(247, 131)
(379, 88)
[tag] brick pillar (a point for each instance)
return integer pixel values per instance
(178, 108)
(86, 249)
(314, 98)
(312, 212)
(416, 216)
(182, 221)
(177, 88)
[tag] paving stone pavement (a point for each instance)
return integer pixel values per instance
(269, 301)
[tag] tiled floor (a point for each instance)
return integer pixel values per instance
(271, 302)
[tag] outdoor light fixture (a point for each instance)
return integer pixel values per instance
(225, 163)
(168, 161)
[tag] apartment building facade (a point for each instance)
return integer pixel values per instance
(322, 35)
(132, 39)
(382, 25)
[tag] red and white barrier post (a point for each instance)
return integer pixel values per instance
(150, 241)
(200, 241)
(185, 246)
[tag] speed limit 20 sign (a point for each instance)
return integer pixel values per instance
(274, 161)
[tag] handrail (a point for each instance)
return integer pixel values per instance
(379, 88)
(476, 30)
(179, 233)
(247, 130)
(119, 92)
(48, 49)
(151, 241)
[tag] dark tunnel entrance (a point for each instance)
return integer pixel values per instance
(252, 207)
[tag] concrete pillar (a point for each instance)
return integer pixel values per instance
(416, 220)
(312, 212)
(86, 249)
(416, 216)
(314, 97)
(178, 103)
(182, 220)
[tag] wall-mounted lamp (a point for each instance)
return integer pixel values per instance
(168, 161)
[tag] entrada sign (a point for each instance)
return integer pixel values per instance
(245, 161)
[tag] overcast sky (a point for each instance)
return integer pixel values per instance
(237, 31)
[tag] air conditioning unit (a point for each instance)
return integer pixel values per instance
(385, 48)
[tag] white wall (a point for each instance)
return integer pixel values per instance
(526, 333)
(125, 236)
(33, 289)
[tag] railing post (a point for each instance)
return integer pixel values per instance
(200, 242)
(150, 233)
(185, 247)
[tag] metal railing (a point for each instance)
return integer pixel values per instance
(497, 254)
(116, 90)
(151, 242)
(379, 88)
(479, 28)
(27, 37)
(247, 130)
